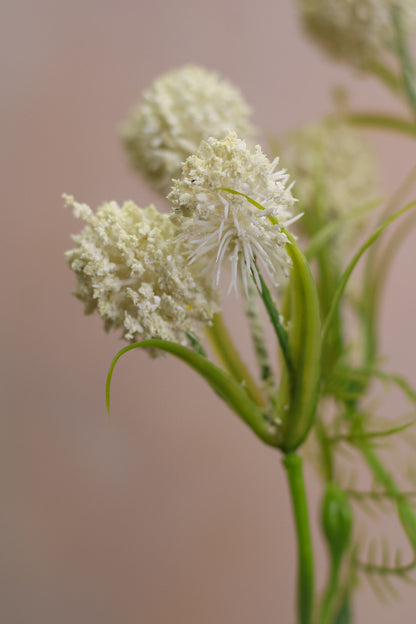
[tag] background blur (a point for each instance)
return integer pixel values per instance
(170, 510)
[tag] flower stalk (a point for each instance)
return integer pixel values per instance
(305, 574)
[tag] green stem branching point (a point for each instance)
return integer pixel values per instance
(298, 392)
(305, 574)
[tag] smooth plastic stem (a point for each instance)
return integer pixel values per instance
(230, 358)
(331, 592)
(305, 574)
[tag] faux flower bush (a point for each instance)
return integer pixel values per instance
(284, 227)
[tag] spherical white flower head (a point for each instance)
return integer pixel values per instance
(357, 31)
(131, 269)
(219, 224)
(180, 109)
(333, 160)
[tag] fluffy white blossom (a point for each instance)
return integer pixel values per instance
(219, 224)
(357, 31)
(334, 166)
(132, 270)
(180, 109)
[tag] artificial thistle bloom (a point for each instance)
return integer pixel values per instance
(132, 270)
(218, 224)
(356, 31)
(334, 168)
(180, 109)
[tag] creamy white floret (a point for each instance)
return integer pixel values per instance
(180, 109)
(357, 31)
(333, 165)
(132, 270)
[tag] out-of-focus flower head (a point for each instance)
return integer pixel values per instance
(132, 270)
(218, 224)
(334, 168)
(180, 109)
(356, 31)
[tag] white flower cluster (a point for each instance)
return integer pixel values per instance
(357, 31)
(219, 224)
(180, 109)
(332, 164)
(132, 270)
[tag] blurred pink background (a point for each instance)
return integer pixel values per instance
(170, 510)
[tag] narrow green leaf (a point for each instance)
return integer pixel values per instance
(233, 192)
(404, 54)
(370, 434)
(406, 514)
(196, 345)
(227, 388)
(398, 380)
(277, 325)
(321, 238)
(347, 273)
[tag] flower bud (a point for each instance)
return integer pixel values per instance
(336, 519)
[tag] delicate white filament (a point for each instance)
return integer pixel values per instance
(231, 224)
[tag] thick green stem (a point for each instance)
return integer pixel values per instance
(305, 593)
(230, 358)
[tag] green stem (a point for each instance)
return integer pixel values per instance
(347, 273)
(382, 122)
(305, 593)
(230, 358)
(331, 592)
(403, 52)
(375, 275)
(386, 75)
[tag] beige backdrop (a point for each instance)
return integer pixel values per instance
(170, 511)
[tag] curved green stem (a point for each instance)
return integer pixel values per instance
(230, 358)
(382, 122)
(305, 593)
(375, 274)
